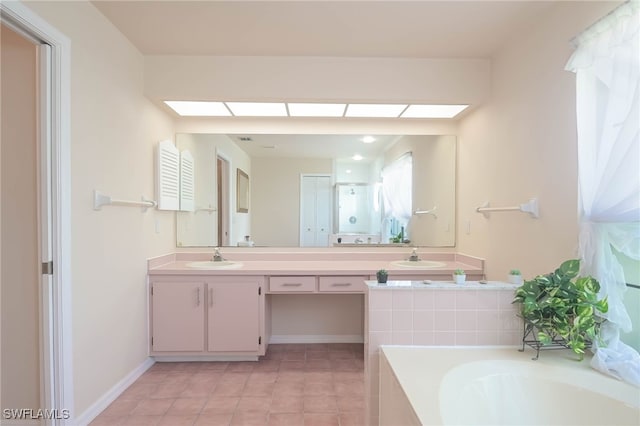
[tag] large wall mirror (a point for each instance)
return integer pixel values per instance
(320, 190)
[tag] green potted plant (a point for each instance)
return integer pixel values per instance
(560, 309)
(382, 276)
(459, 276)
(515, 277)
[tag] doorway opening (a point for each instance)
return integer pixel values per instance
(47, 169)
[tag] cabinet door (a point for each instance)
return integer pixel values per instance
(234, 316)
(178, 316)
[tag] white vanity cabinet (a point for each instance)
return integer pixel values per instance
(207, 316)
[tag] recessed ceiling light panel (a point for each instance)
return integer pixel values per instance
(368, 139)
(199, 108)
(257, 109)
(433, 111)
(315, 110)
(374, 110)
(357, 157)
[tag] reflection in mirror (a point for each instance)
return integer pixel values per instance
(358, 209)
(276, 165)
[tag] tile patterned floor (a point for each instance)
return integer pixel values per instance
(294, 384)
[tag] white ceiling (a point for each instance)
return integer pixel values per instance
(410, 29)
(342, 147)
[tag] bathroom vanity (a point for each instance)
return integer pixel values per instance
(207, 310)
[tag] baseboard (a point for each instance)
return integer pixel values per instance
(316, 338)
(196, 358)
(97, 407)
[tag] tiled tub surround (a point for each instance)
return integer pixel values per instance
(440, 314)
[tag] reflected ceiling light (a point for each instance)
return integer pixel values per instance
(315, 110)
(368, 139)
(433, 111)
(374, 110)
(357, 157)
(199, 108)
(257, 109)
(348, 171)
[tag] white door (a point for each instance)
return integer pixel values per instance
(315, 210)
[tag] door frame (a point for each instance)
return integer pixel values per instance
(55, 304)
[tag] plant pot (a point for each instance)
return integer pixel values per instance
(515, 279)
(459, 279)
(382, 280)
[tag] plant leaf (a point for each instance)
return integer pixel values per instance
(570, 268)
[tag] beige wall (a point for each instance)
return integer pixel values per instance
(19, 224)
(396, 80)
(114, 130)
(275, 198)
(522, 144)
(434, 163)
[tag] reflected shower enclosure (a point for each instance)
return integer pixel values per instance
(357, 211)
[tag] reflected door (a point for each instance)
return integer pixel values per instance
(315, 210)
(223, 180)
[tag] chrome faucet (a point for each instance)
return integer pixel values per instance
(414, 256)
(217, 257)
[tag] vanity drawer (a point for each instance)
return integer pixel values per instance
(293, 284)
(351, 284)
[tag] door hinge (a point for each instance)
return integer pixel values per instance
(152, 290)
(47, 268)
(259, 291)
(151, 341)
(260, 340)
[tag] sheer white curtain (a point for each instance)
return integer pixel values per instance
(607, 67)
(397, 187)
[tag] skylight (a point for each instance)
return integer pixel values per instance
(316, 110)
(197, 108)
(310, 109)
(433, 111)
(257, 109)
(374, 110)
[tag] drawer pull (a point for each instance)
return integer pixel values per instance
(291, 284)
(340, 284)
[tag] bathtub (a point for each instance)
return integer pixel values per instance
(498, 386)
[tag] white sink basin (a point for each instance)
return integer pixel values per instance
(419, 264)
(209, 264)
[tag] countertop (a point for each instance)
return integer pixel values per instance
(435, 284)
(310, 267)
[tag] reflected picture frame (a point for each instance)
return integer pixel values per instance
(242, 191)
